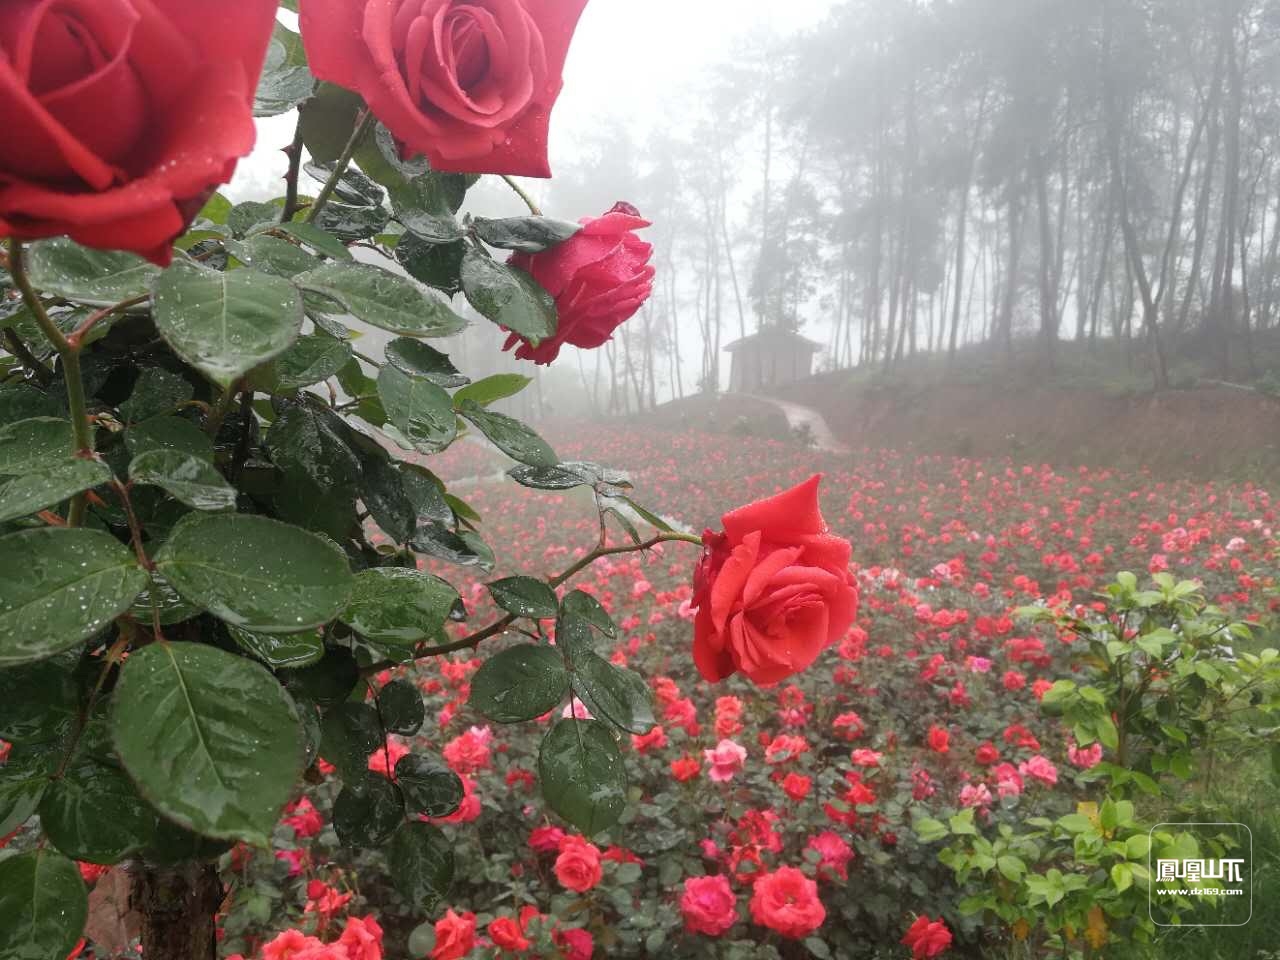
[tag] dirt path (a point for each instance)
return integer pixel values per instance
(800, 416)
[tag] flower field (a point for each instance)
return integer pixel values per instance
(783, 820)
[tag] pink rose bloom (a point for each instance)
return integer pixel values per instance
(835, 852)
(1085, 758)
(288, 945)
(726, 760)
(863, 757)
(598, 278)
(708, 905)
(455, 935)
(979, 665)
(975, 795)
(1041, 768)
(1008, 780)
(546, 839)
(578, 865)
(469, 752)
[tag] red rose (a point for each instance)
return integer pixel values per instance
(121, 116)
(927, 938)
(574, 944)
(939, 739)
(507, 935)
(708, 905)
(578, 865)
(787, 901)
(470, 83)
(772, 591)
(598, 278)
(455, 935)
(796, 786)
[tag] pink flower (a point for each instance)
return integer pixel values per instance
(384, 761)
(362, 938)
(1085, 758)
(455, 935)
(975, 795)
(835, 852)
(863, 757)
(578, 865)
(708, 905)
(1041, 768)
(787, 901)
(288, 945)
(469, 752)
(726, 760)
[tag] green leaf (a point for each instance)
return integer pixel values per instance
(421, 411)
(93, 812)
(48, 485)
(509, 435)
(225, 324)
(155, 392)
(1011, 867)
(930, 830)
(280, 258)
(283, 85)
(582, 605)
(398, 605)
(58, 587)
(256, 573)
(313, 358)
(401, 708)
(210, 738)
(426, 205)
(244, 217)
(508, 296)
(1122, 876)
(350, 732)
(547, 478)
(168, 433)
(99, 278)
(280, 650)
(615, 693)
(193, 481)
(30, 444)
(311, 442)
(490, 389)
(429, 787)
(436, 265)
(520, 683)
(171, 607)
(525, 234)
(39, 702)
(328, 682)
(417, 359)
(465, 549)
(367, 812)
(24, 777)
(525, 597)
(383, 299)
(582, 774)
(43, 906)
(317, 239)
(421, 864)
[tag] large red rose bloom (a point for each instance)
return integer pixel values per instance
(469, 83)
(773, 590)
(122, 116)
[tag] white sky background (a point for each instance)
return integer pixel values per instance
(631, 60)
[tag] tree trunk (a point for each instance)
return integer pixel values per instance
(177, 905)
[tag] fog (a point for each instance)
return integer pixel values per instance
(906, 183)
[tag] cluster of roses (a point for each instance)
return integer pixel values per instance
(124, 116)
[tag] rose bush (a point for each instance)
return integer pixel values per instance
(123, 116)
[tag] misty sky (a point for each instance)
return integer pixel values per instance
(631, 60)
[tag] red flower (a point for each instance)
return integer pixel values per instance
(507, 935)
(708, 905)
(455, 935)
(796, 786)
(939, 739)
(122, 117)
(787, 901)
(578, 865)
(686, 768)
(927, 938)
(598, 278)
(772, 591)
(470, 83)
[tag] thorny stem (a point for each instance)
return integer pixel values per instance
(294, 153)
(29, 360)
(499, 626)
(76, 338)
(520, 191)
(69, 354)
(364, 120)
